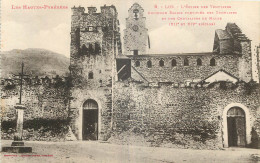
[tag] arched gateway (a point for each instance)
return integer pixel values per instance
(90, 120)
(236, 126)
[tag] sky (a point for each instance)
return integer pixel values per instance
(50, 29)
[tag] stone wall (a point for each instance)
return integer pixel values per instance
(43, 100)
(181, 73)
(245, 62)
(161, 114)
(46, 99)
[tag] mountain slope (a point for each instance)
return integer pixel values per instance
(38, 62)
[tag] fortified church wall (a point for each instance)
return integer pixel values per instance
(187, 99)
(47, 107)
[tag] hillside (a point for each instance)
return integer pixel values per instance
(38, 62)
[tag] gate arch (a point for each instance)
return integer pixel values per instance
(236, 110)
(90, 120)
(236, 127)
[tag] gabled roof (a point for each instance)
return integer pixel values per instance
(223, 34)
(220, 75)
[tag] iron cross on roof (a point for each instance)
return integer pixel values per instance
(21, 77)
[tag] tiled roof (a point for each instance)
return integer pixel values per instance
(171, 54)
(223, 34)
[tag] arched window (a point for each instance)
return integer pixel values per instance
(136, 13)
(199, 62)
(212, 62)
(161, 63)
(90, 75)
(186, 62)
(84, 50)
(174, 63)
(149, 64)
(137, 63)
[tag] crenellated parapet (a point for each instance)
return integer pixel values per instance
(92, 31)
(36, 80)
(44, 97)
(192, 84)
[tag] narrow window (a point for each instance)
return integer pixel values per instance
(149, 64)
(135, 52)
(212, 62)
(174, 63)
(137, 64)
(97, 48)
(161, 63)
(90, 75)
(84, 50)
(77, 35)
(91, 49)
(199, 62)
(186, 62)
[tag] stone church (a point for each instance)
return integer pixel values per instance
(210, 97)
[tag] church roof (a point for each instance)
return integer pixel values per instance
(223, 34)
(220, 75)
(170, 55)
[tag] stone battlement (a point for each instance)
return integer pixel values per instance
(224, 85)
(91, 10)
(31, 81)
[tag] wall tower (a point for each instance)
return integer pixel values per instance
(95, 42)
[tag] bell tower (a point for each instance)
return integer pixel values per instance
(136, 33)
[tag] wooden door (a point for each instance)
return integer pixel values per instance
(236, 127)
(90, 120)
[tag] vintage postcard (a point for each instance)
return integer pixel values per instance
(114, 81)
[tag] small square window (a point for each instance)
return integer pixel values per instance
(90, 75)
(90, 29)
(135, 52)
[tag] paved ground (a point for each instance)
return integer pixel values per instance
(87, 151)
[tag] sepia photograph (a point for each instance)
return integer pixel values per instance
(118, 81)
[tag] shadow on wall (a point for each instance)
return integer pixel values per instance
(37, 129)
(255, 139)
